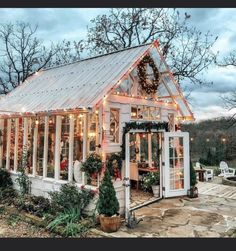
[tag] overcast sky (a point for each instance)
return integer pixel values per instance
(71, 24)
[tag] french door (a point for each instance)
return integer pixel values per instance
(176, 164)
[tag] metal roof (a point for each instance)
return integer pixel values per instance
(84, 83)
(74, 85)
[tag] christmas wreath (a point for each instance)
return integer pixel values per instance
(114, 165)
(142, 74)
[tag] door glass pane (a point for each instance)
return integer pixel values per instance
(155, 149)
(176, 160)
(143, 147)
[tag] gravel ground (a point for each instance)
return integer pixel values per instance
(12, 226)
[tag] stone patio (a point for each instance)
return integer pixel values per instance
(212, 214)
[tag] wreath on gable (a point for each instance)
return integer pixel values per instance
(114, 165)
(142, 74)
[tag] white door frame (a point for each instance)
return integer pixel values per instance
(127, 169)
(178, 192)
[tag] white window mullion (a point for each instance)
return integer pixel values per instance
(71, 148)
(57, 147)
(16, 144)
(45, 147)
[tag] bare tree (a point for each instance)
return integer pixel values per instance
(229, 100)
(188, 51)
(22, 53)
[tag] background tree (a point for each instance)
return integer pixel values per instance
(22, 53)
(229, 100)
(187, 50)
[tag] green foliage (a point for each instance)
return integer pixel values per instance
(142, 74)
(70, 197)
(207, 145)
(5, 178)
(7, 192)
(92, 165)
(114, 163)
(147, 126)
(193, 177)
(108, 204)
(150, 179)
(69, 223)
(36, 205)
(23, 180)
(13, 220)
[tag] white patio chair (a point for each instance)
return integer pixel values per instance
(225, 170)
(209, 174)
(197, 165)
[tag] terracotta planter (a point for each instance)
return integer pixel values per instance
(110, 224)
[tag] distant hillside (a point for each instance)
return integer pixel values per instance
(212, 140)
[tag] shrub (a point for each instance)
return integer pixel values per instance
(70, 197)
(68, 223)
(108, 204)
(92, 165)
(7, 192)
(193, 178)
(23, 180)
(114, 164)
(150, 179)
(36, 205)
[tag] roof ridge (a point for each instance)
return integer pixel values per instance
(97, 56)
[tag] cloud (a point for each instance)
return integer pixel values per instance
(56, 24)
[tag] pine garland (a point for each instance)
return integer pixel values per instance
(147, 126)
(142, 74)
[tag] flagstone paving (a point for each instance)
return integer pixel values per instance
(212, 214)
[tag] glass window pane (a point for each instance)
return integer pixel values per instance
(20, 140)
(4, 143)
(51, 146)
(155, 149)
(40, 146)
(92, 132)
(176, 160)
(29, 160)
(143, 147)
(64, 154)
(78, 137)
(134, 112)
(12, 144)
(114, 124)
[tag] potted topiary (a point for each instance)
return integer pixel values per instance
(151, 182)
(193, 191)
(108, 205)
(92, 166)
